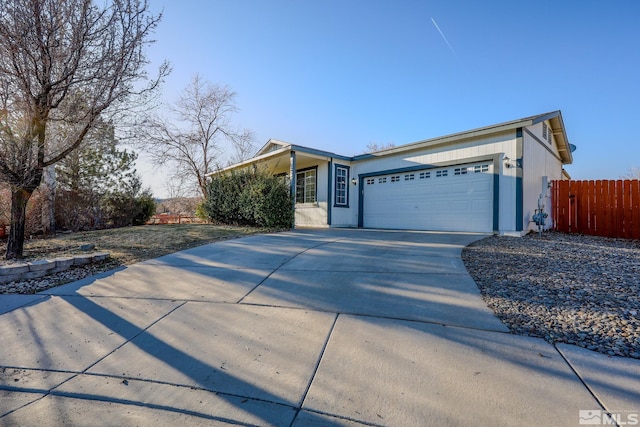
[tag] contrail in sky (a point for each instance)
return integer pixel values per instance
(444, 38)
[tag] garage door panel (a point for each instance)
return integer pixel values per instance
(480, 206)
(461, 205)
(454, 198)
(461, 187)
(486, 186)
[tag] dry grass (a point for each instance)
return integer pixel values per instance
(131, 244)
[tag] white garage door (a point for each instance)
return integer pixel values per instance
(455, 198)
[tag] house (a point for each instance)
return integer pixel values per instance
(489, 180)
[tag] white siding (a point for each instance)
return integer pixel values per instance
(469, 148)
(345, 216)
(537, 130)
(540, 159)
(312, 216)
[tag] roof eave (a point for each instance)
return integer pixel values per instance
(554, 118)
(455, 137)
(252, 160)
(560, 135)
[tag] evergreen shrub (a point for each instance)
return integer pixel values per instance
(250, 197)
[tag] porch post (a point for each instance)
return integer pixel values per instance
(292, 183)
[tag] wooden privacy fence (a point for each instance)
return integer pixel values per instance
(174, 219)
(598, 208)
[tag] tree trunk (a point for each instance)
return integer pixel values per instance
(15, 244)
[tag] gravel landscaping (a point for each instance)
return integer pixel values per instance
(574, 289)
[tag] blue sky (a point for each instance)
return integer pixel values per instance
(338, 75)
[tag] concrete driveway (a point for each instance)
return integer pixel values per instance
(302, 328)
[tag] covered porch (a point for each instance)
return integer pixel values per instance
(308, 172)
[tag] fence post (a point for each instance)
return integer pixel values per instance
(599, 209)
(611, 197)
(564, 203)
(619, 230)
(626, 209)
(635, 209)
(593, 216)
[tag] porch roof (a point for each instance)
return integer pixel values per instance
(274, 151)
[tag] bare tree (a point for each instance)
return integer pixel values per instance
(634, 173)
(199, 137)
(374, 146)
(64, 64)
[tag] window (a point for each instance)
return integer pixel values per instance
(371, 181)
(544, 131)
(306, 186)
(442, 173)
(479, 169)
(395, 178)
(424, 175)
(409, 177)
(460, 171)
(342, 186)
(382, 180)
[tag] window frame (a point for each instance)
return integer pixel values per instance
(338, 181)
(304, 186)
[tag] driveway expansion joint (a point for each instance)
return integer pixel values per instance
(282, 264)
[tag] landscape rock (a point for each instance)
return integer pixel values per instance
(64, 263)
(39, 275)
(42, 265)
(13, 269)
(575, 289)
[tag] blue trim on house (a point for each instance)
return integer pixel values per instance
(361, 201)
(519, 180)
(335, 193)
(329, 179)
(543, 117)
(496, 194)
(313, 151)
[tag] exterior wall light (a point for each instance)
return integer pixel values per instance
(354, 181)
(507, 162)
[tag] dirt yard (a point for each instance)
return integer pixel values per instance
(130, 244)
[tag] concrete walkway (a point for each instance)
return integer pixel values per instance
(303, 328)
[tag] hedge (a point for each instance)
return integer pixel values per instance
(251, 197)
